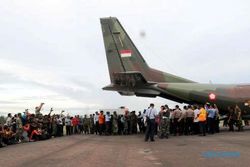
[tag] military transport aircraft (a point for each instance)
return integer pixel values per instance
(131, 75)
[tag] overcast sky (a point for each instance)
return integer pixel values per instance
(52, 51)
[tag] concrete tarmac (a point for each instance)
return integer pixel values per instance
(131, 151)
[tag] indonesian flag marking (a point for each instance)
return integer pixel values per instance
(212, 96)
(126, 53)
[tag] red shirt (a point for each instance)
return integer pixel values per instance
(75, 121)
(101, 119)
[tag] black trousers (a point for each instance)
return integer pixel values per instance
(140, 124)
(217, 125)
(181, 127)
(96, 127)
(101, 129)
(176, 128)
(231, 124)
(108, 127)
(68, 131)
(150, 130)
(171, 128)
(211, 125)
(189, 126)
(59, 130)
(196, 128)
(203, 127)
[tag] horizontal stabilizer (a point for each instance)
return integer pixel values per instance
(130, 79)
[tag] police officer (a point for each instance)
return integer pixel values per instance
(176, 116)
(150, 121)
(182, 120)
(189, 121)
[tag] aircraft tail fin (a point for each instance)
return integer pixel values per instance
(123, 56)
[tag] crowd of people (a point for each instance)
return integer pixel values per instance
(191, 120)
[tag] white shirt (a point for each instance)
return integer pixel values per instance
(107, 117)
(196, 113)
(96, 118)
(67, 121)
(8, 121)
(59, 121)
(151, 113)
(140, 116)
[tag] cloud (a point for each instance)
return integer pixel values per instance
(7, 102)
(40, 77)
(53, 50)
(64, 90)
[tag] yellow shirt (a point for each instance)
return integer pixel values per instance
(203, 115)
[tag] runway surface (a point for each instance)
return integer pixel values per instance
(131, 151)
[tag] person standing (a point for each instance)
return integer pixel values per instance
(150, 120)
(216, 119)
(115, 123)
(126, 123)
(19, 127)
(101, 121)
(91, 124)
(122, 124)
(80, 124)
(231, 118)
(171, 125)
(189, 121)
(9, 120)
(133, 123)
(182, 120)
(59, 126)
(75, 122)
(85, 125)
(108, 123)
(176, 116)
(164, 123)
(238, 113)
(196, 120)
(160, 116)
(96, 122)
(202, 120)
(68, 125)
(140, 121)
(211, 115)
